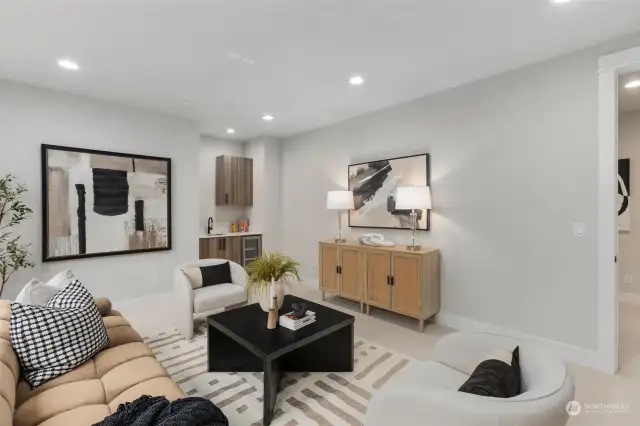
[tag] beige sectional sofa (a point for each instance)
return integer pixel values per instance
(121, 373)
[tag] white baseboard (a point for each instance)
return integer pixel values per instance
(573, 354)
(629, 298)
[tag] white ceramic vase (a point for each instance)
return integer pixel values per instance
(264, 296)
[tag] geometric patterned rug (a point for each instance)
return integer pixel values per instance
(324, 399)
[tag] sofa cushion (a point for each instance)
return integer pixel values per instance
(114, 321)
(86, 415)
(122, 335)
(217, 297)
(103, 304)
(53, 339)
(109, 359)
(57, 400)
(9, 367)
(129, 374)
(6, 412)
(7, 385)
(161, 386)
(8, 357)
(85, 371)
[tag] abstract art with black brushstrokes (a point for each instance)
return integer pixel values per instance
(374, 187)
(624, 194)
(99, 203)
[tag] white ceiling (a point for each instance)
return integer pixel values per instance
(628, 99)
(156, 53)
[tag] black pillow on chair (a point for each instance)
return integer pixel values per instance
(497, 376)
(216, 274)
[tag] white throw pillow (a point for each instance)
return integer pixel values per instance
(38, 293)
(63, 279)
(195, 276)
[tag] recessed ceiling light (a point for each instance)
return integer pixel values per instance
(561, 1)
(267, 117)
(68, 64)
(230, 131)
(356, 80)
(632, 84)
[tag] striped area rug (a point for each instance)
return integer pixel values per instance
(324, 399)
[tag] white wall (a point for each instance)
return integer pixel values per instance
(210, 148)
(629, 242)
(30, 117)
(264, 215)
(514, 165)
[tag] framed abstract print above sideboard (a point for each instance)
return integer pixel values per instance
(374, 186)
(101, 203)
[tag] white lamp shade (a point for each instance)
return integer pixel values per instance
(340, 200)
(413, 198)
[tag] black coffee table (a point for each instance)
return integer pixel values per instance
(239, 341)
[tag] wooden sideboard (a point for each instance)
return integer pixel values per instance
(391, 278)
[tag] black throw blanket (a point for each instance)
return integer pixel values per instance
(158, 411)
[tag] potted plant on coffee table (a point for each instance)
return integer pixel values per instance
(267, 276)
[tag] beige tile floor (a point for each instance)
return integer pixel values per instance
(400, 334)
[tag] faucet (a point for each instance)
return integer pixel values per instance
(209, 226)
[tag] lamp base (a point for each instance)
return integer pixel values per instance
(339, 240)
(414, 248)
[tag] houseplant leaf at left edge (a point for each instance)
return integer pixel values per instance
(13, 254)
(268, 269)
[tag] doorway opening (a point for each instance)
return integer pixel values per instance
(619, 95)
(629, 223)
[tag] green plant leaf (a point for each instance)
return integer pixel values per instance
(276, 266)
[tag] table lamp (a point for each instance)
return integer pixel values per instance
(340, 201)
(413, 198)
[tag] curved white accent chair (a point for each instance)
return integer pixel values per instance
(426, 393)
(194, 301)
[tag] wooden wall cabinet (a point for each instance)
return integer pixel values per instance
(391, 278)
(228, 247)
(234, 181)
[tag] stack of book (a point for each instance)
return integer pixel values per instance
(290, 322)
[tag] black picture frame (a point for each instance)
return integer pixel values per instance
(44, 148)
(428, 180)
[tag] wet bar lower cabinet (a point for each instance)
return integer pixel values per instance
(241, 249)
(391, 278)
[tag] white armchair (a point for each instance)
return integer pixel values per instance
(426, 392)
(194, 301)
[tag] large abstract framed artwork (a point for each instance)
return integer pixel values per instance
(374, 191)
(99, 203)
(624, 194)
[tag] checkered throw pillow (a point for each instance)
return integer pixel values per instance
(53, 339)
